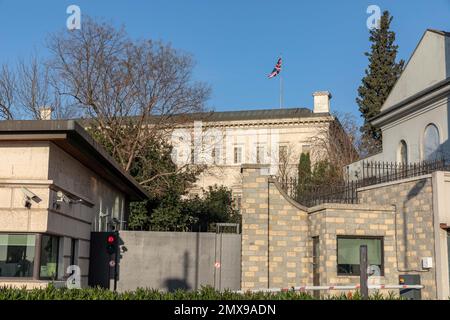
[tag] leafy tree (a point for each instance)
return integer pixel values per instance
(214, 206)
(195, 213)
(380, 76)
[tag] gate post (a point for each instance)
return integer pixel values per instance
(363, 264)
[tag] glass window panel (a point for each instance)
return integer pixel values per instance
(49, 257)
(403, 152)
(348, 253)
(431, 142)
(17, 255)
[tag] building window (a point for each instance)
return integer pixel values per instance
(237, 201)
(49, 257)
(73, 252)
(215, 155)
(403, 152)
(348, 254)
(192, 155)
(260, 155)
(237, 155)
(282, 154)
(17, 255)
(431, 142)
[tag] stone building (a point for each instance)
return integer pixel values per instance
(57, 185)
(226, 140)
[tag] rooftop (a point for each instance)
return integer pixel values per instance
(255, 114)
(72, 138)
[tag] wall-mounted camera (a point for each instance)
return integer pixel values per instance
(61, 197)
(29, 197)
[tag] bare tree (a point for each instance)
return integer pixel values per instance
(133, 93)
(26, 89)
(7, 93)
(287, 157)
(338, 142)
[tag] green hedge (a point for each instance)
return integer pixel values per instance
(206, 293)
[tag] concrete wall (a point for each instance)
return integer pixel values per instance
(171, 260)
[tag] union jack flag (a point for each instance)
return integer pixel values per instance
(276, 70)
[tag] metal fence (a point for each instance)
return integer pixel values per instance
(372, 172)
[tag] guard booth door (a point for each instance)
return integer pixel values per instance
(102, 264)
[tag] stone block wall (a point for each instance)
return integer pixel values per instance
(332, 220)
(277, 235)
(413, 200)
(274, 248)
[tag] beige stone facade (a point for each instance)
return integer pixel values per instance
(226, 140)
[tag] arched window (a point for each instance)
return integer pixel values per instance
(431, 143)
(403, 152)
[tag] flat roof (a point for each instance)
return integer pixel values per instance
(72, 138)
(262, 114)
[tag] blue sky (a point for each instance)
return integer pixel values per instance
(236, 42)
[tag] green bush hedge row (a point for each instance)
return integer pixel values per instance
(205, 293)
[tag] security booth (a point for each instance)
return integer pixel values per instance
(56, 186)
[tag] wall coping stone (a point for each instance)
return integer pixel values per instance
(386, 184)
(344, 206)
(285, 195)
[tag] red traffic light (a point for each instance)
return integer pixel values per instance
(111, 239)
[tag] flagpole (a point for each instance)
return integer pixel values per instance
(281, 91)
(281, 87)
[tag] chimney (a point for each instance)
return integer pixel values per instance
(45, 113)
(321, 101)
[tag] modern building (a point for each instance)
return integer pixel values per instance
(226, 140)
(56, 186)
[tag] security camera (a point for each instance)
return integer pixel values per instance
(30, 195)
(61, 197)
(102, 215)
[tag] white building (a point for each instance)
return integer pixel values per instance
(226, 140)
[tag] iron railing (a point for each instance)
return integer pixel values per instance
(371, 173)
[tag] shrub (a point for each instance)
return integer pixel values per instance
(205, 293)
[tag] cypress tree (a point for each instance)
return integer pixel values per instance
(303, 174)
(380, 77)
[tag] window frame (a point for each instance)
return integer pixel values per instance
(402, 144)
(58, 242)
(260, 151)
(381, 238)
(235, 160)
(423, 144)
(35, 259)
